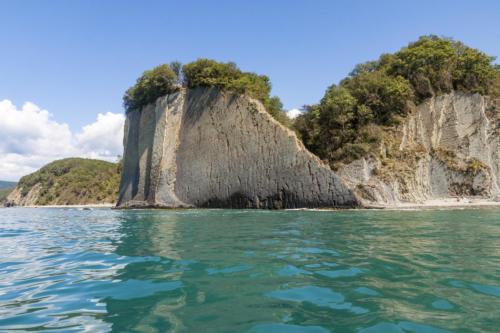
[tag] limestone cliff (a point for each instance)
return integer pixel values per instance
(449, 146)
(205, 147)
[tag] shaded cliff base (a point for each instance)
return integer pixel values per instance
(445, 203)
(85, 207)
(442, 203)
(465, 202)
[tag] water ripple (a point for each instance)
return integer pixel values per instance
(249, 271)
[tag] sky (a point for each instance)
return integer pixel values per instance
(64, 65)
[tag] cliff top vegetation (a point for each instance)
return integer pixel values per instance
(349, 121)
(168, 78)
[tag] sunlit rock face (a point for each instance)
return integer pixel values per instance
(208, 148)
(449, 147)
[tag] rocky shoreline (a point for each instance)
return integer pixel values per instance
(429, 204)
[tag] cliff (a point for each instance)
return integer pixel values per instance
(205, 147)
(71, 181)
(449, 146)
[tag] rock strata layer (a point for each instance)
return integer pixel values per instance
(448, 147)
(208, 148)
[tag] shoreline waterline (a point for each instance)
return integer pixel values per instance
(426, 205)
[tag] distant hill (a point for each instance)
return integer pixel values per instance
(4, 192)
(5, 189)
(4, 184)
(71, 181)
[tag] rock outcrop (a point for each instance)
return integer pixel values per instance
(205, 147)
(449, 146)
(16, 197)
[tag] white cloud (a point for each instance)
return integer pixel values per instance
(293, 113)
(104, 138)
(31, 138)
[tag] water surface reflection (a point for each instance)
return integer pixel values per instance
(250, 271)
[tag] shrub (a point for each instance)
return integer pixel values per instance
(307, 127)
(227, 76)
(152, 84)
(274, 107)
(379, 96)
(165, 79)
(206, 72)
(437, 65)
(494, 90)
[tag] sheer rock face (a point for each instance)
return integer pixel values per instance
(450, 147)
(207, 148)
(15, 198)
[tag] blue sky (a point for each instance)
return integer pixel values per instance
(65, 64)
(76, 58)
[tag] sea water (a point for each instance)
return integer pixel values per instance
(70, 270)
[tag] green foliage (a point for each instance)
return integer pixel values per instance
(437, 65)
(206, 72)
(343, 126)
(338, 108)
(495, 86)
(380, 95)
(350, 119)
(152, 84)
(74, 181)
(166, 79)
(4, 192)
(227, 76)
(274, 107)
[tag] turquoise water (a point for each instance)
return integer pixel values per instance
(68, 270)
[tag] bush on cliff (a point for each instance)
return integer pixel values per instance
(437, 65)
(167, 78)
(349, 121)
(495, 88)
(152, 84)
(210, 73)
(227, 76)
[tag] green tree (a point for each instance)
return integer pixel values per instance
(437, 65)
(274, 107)
(473, 71)
(227, 76)
(350, 120)
(495, 87)
(152, 84)
(379, 96)
(338, 108)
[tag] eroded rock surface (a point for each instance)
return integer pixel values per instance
(208, 148)
(449, 146)
(15, 198)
